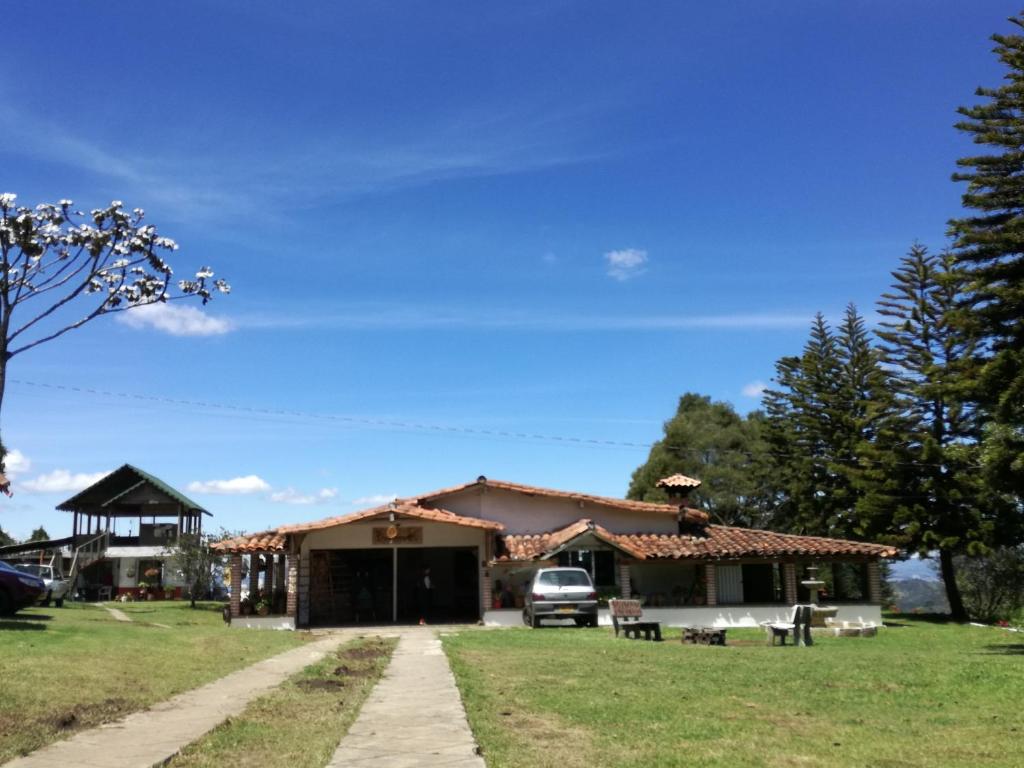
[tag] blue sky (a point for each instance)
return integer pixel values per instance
(547, 218)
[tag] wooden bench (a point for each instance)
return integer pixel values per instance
(630, 613)
(703, 636)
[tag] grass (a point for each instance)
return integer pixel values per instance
(300, 723)
(921, 693)
(64, 669)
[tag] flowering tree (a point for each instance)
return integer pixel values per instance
(60, 269)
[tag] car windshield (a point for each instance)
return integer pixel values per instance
(41, 571)
(564, 579)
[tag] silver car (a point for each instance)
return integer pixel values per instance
(57, 587)
(561, 593)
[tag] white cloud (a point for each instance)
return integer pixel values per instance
(175, 319)
(375, 500)
(754, 389)
(16, 463)
(236, 485)
(62, 481)
(291, 496)
(625, 264)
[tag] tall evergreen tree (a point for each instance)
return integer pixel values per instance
(710, 441)
(824, 419)
(989, 247)
(944, 505)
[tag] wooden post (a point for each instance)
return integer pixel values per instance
(874, 582)
(279, 575)
(789, 583)
(710, 585)
(236, 586)
(254, 576)
(268, 579)
(625, 581)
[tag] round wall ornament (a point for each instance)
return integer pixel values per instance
(392, 531)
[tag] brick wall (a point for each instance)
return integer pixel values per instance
(710, 585)
(236, 586)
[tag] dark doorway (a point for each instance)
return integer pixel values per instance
(455, 596)
(350, 586)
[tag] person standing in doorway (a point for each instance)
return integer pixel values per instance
(426, 589)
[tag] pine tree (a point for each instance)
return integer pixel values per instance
(801, 416)
(825, 419)
(945, 506)
(989, 247)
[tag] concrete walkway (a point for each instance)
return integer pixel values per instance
(146, 738)
(414, 716)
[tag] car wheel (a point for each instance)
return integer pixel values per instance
(535, 621)
(526, 617)
(59, 602)
(46, 602)
(593, 622)
(6, 604)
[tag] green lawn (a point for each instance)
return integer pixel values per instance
(299, 724)
(63, 669)
(918, 694)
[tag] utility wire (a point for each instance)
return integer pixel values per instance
(436, 428)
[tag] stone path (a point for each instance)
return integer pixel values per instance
(414, 716)
(154, 735)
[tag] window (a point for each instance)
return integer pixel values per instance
(599, 563)
(564, 579)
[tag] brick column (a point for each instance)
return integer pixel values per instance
(292, 602)
(236, 586)
(710, 585)
(302, 592)
(254, 576)
(625, 581)
(789, 583)
(874, 582)
(486, 591)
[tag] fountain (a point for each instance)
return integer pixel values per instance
(818, 612)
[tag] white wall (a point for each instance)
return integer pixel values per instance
(707, 616)
(521, 513)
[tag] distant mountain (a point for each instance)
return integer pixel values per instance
(923, 595)
(914, 567)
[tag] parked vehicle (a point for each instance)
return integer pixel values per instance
(18, 590)
(57, 587)
(561, 593)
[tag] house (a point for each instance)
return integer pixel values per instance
(480, 543)
(124, 535)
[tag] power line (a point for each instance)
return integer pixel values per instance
(435, 428)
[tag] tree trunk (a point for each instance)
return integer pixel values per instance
(956, 604)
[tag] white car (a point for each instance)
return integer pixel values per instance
(57, 586)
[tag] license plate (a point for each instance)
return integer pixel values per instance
(566, 609)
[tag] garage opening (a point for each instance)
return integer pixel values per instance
(361, 586)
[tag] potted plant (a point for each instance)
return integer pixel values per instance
(143, 589)
(245, 606)
(262, 606)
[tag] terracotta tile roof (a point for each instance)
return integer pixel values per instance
(718, 542)
(726, 542)
(538, 545)
(678, 481)
(267, 541)
(400, 508)
(691, 515)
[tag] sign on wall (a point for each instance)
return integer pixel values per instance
(398, 534)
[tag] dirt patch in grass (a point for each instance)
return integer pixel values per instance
(86, 715)
(319, 685)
